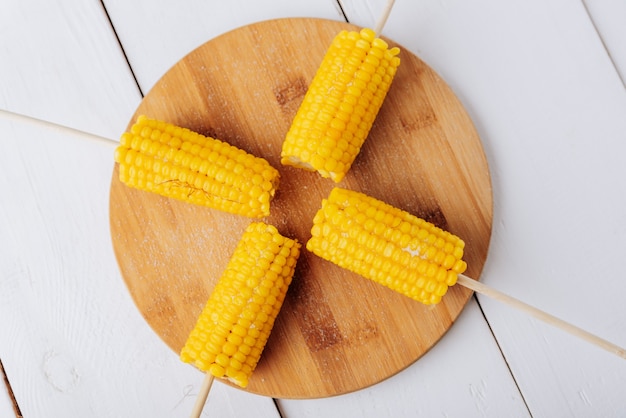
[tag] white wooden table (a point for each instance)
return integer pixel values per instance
(543, 80)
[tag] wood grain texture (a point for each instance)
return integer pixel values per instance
(337, 332)
(607, 17)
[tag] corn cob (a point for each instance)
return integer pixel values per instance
(387, 245)
(175, 162)
(232, 330)
(341, 104)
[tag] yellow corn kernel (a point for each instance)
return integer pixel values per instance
(175, 162)
(341, 104)
(235, 323)
(387, 245)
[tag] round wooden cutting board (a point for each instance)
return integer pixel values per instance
(337, 332)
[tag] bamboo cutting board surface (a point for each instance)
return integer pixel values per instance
(337, 332)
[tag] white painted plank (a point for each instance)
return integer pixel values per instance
(609, 17)
(55, 63)
(549, 107)
(155, 36)
(6, 408)
(464, 375)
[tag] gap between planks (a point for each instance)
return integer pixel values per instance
(604, 45)
(504, 358)
(119, 42)
(7, 384)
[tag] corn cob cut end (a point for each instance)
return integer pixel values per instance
(234, 326)
(340, 106)
(176, 162)
(387, 245)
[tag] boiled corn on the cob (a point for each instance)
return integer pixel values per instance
(175, 162)
(387, 245)
(341, 104)
(233, 328)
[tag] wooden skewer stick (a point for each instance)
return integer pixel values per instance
(383, 17)
(17, 117)
(202, 396)
(541, 315)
